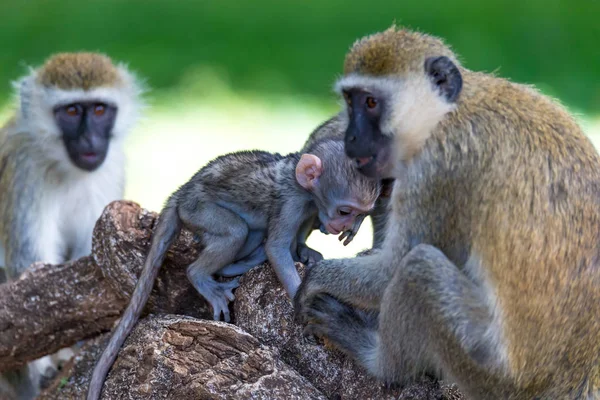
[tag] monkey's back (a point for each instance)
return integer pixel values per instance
(531, 200)
(251, 180)
(333, 128)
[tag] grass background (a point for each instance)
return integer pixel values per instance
(235, 75)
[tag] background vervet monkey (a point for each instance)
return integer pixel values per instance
(61, 163)
(489, 271)
(246, 207)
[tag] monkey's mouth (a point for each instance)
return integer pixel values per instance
(89, 156)
(89, 160)
(376, 165)
(332, 230)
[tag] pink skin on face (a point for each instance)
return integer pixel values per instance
(342, 223)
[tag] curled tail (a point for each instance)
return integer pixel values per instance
(169, 226)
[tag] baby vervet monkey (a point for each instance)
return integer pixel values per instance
(234, 203)
(61, 163)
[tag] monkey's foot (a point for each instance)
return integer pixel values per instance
(351, 330)
(218, 294)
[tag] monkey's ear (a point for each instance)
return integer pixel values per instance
(445, 76)
(308, 170)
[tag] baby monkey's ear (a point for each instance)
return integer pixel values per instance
(308, 170)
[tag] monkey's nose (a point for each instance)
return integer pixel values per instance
(362, 161)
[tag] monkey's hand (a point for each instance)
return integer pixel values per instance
(339, 325)
(350, 233)
(358, 281)
(308, 289)
(308, 256)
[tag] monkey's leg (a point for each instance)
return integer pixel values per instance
(24, 382)
(254, 240)
(224, 235)
(259, 256)
(6, 389)
(432, 318)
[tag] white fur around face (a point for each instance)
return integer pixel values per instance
(70, 208)
(417, 108)
(35, 112)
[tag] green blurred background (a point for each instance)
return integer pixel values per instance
(231, 75)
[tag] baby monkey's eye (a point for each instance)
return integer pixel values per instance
(344, 211)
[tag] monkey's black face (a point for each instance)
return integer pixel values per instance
(86, 129)
(364, 142)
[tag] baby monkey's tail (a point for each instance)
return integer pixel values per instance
(168, 227)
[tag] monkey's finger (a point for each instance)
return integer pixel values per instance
(315, 331)
(229, 294)
(309, 337)
(350, 239)
(196, 238)
(232, 284)
(226, 316)
(216, 313)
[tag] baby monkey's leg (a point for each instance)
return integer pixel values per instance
(257, 257)
(223, 235)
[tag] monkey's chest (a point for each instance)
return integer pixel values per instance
(69, 217)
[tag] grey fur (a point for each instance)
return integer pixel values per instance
(232, 204)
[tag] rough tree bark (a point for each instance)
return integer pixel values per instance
(54, 306)
(185, 358)
(172, 356)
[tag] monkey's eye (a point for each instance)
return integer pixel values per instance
(371, 102)
(344, 211)
(347, 98)
(99, 110)
(72, 111)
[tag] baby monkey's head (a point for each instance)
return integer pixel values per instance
(339, 191)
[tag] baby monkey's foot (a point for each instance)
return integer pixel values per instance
(218, 294)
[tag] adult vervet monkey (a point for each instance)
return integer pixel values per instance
(489, 271)
(61, 163)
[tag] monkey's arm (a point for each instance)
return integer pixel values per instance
(359, 281)
(19, 206)
(283, 231)
(303, 253)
